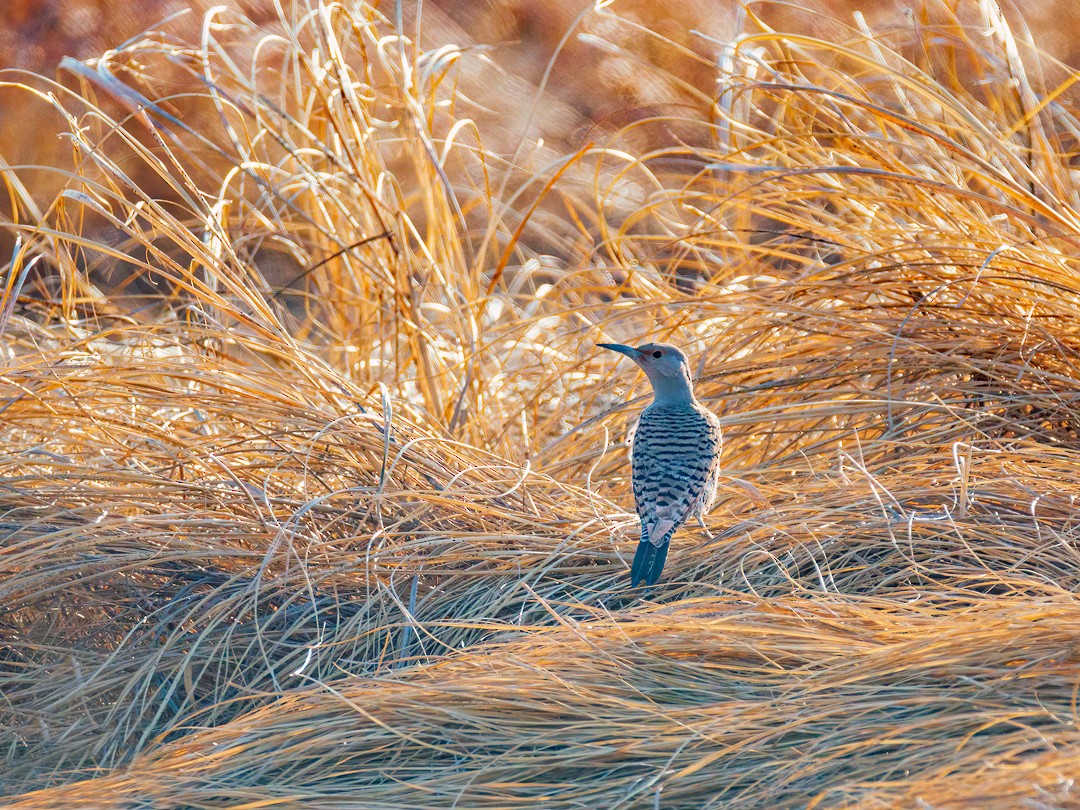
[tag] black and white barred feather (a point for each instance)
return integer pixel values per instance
(675, 462)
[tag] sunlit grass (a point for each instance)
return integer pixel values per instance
(314, 488)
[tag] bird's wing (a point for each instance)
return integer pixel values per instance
(674, 472)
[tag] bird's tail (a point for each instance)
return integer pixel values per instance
(648, 562)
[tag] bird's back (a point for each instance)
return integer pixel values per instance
(675, 461)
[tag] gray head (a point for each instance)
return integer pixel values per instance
(667, 368)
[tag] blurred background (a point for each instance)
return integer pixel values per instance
(604, 76)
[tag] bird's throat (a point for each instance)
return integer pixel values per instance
(672, 391)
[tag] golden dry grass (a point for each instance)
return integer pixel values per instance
(313, 489)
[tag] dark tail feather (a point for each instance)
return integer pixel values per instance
(648, 563)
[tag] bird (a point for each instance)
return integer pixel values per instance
(674, 455)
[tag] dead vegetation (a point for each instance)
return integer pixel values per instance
(313, 489)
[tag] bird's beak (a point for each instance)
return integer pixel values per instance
(629, 351)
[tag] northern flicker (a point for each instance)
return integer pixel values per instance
(674, 455)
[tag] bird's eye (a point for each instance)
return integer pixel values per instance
(657, 354)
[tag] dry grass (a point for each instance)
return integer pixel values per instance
(313, 488)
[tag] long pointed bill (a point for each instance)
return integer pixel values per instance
(629, 351)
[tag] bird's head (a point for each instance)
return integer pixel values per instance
(666, 366)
